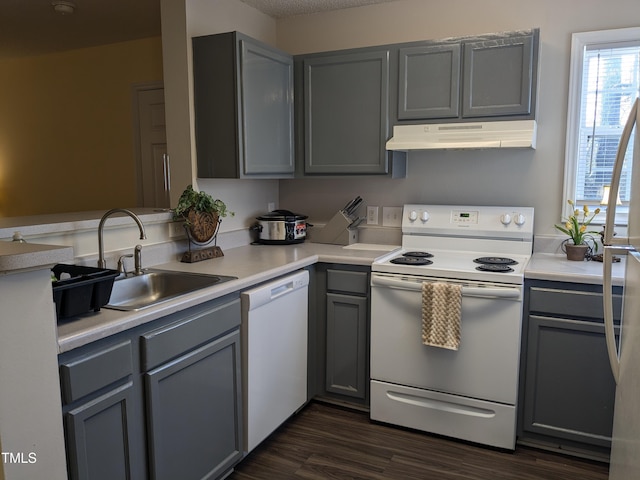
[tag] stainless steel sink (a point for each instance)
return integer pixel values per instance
(156, 286)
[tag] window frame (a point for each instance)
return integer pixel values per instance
(579, 43)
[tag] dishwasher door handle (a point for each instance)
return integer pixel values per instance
(281, 290)
(270, 291)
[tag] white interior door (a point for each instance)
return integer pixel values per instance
(152, 162)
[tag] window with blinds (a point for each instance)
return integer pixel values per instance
(610, 84)
(604, 81)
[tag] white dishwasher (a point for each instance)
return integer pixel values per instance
(274, 354)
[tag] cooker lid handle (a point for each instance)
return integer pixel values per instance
(289, 215)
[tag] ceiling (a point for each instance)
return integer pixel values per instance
(31, 27)
(289, 8)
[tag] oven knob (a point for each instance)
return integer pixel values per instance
(519, 220)
(505, 219)
(413, 215)
(424, 216)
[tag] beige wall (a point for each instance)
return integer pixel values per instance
(66, 139)
(532, 178)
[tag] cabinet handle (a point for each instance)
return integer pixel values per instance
(166, 172)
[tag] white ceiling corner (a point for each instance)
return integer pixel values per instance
(289, 8)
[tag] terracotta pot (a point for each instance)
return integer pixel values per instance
(576, 252)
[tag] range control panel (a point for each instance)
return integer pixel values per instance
(464, 217)
(481, 221)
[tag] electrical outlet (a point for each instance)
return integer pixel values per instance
(372, 215)
(392, 216)
(271, 206)
(176, 230)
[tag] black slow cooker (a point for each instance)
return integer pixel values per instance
(281, 227)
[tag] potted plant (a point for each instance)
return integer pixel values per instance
(200, 213)
(580, 239)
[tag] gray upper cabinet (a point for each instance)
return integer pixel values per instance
(429, 82)
(243, 96)
(487, 76)
(498, 78)
(346, 105)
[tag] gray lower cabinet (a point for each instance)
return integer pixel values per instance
(346, 344)
(567, 389)
(346, 110)
(193, 412)
(243, 101)
(99, 435)
(342, 366)
(488, 76)
(160, 401)
(101, 417)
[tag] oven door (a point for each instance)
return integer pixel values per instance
(485, 366)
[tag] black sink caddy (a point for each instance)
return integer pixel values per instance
(87, 289)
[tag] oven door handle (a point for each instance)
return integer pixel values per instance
(490, 292)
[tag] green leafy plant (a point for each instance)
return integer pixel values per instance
(577, 224)
(191, 200)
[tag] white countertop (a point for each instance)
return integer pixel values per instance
(556, 267)
(252, 264)
(16, 256)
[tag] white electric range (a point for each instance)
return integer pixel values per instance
(469, 393)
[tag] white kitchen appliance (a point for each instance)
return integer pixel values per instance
(469, 393)
(625, 445)
(274, 354)
(468, 135)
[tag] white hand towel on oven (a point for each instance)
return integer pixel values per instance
(441, 314)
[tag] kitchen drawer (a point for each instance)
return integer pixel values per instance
(346, 281)
(571, 303)
(173, 340)
(89, 373)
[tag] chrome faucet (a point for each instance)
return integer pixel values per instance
(137, 258)
(101, 261)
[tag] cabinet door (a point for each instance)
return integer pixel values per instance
(99, 437)
(194, 412)
(346, 103)
(266, 104)
(429, 82)
(243, 108)
(347, 354)
(498, 77)
(569, 389)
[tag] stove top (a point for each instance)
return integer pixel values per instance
(463, 242)
(448, 264)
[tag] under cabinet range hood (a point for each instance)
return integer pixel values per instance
(457, 136)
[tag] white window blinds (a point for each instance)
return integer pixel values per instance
(610, 84)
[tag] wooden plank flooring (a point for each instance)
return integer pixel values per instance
(328, 442)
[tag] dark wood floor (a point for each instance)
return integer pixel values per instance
(327, 442)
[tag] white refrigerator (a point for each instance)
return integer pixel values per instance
(624, 355)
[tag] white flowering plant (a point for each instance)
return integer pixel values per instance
(576, 226)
